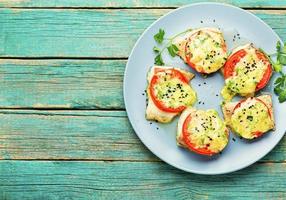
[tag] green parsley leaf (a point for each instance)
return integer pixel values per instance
(281, 55)
(277, 66)
(282, 59)
(158, 60)
(278, 46)
(284, 48)
(282, 96)
(278, 80)
(173, 49)
(156, 49)
(277, 90)
(280, 87)
(159, 37)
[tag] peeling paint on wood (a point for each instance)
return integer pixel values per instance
(134, 180)
(87, 135)
(100, 33)
(81, 84)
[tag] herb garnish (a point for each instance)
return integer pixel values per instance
(159, 37)
(172, 48)
(280, 87)
(280, 82)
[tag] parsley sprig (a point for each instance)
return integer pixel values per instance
(280, 82)
(280, 87)
(172, 48)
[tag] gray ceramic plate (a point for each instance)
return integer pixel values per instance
(160, 138)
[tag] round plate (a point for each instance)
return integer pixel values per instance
(160, 138)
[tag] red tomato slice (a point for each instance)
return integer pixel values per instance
(255, 133)
(232, 61)
(258, 134)
(160, 104)
(190, 145)
(237, 56)
(267, 74)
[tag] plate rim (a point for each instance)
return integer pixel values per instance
(243, 166)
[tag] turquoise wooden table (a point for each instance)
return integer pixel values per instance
(64, 133)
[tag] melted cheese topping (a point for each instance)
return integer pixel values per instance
(173, 92)
(206, 128)
(250, 117)
(205, 47)
(152, 111)
(207, 51)
(248, 72)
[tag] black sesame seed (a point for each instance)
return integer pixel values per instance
(202, 22)
(233, 139)
(250, 118)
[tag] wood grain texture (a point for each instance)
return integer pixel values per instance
(139, 180)
(86, 135)
(74, 84)
(97, 135)
(134, 3)
(86, 33)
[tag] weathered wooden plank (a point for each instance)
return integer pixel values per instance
(90, 135)
(91, 84)
(84, 32)
(135, 180)
(134, 3)
(97, 135)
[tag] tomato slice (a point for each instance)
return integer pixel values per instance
(190, 145)
(258, 134)
(155, 79)
(255, 133)
(267, 74)
(231, 62)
